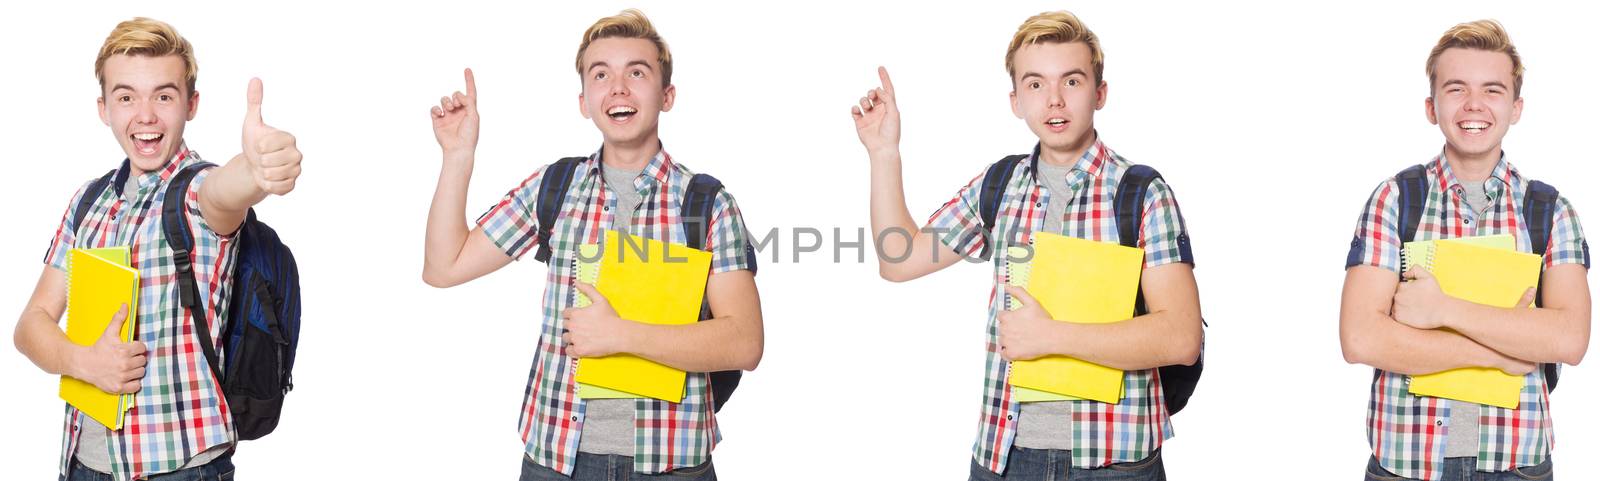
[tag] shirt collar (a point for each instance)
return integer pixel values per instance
(655, 171)
(1501, 177)
(182, 158)
(1093, 159)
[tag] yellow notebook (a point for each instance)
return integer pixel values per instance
(647, 281)
(1082, 281)
(1486, 270)
(99, 282)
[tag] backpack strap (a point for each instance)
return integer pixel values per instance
(1128, 206)
(992, 193)
(1413, 194)
(175, 227)
(90, 195)
(1539, 211)
(699, 201)
(557, 178)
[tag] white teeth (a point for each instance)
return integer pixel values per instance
(147, 136)
(621, 110)
(1474, 125)
(1055, 121)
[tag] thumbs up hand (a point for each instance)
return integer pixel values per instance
(272, 155)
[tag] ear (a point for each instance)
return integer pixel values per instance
(1100, 95)
(583, 108)
(1516, 111)
(194, 104)
(1016, 108)
(668, 95)
(100, 106)
(1433, 117)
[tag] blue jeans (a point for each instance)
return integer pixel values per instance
(611, 467)
(1051, 464)
(220, 469)
(1464, 469)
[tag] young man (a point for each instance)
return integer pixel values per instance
(1411, 328)
(1065, 187)
(179, 425)
(632, 185)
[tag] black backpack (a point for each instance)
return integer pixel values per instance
(698, 201)
(263, 314)
(1538, 208)
(1177, 381)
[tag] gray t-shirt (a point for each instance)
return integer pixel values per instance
(608, 423)
(1046, 425)
(1461, 439)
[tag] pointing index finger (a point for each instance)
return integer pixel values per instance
(888, 86)
(472, 84)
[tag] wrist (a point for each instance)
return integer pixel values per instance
(1448, 313)
(459, 156)
(73, 359)
(632, 335)
(885, 154)
(1062, 336)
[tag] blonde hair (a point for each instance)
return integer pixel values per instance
(145, 37)
(1486, 35)
(1056, 27)
(630, 23)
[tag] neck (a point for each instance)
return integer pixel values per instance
(1471, 168)
(631, 155)
(133, 167)
(1069, 154)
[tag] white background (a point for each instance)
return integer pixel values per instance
(1273, 123)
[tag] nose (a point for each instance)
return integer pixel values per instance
(619, 87)
(1056, 100)
(145, 113)
(1474, 103)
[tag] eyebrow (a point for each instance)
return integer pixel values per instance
(168, 85)
(629, 64)
(1491, 83)
(1076, 71)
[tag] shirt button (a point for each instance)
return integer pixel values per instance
(1439, 422)
(1038, 204)
(1008, 417)
(574, 419)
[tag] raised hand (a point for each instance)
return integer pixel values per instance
(273, 157)
(455, 121)
(877, 117)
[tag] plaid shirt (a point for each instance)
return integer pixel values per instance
(667, 435)
(1102, 434)
(179, 410)
(1408, 432)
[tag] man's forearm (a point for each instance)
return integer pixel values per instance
(1386, 344)
(1532, 334)
(41, 340)
(447, 223)
(721, 344)
(235, 190)
(889, 210)
(1144, 342)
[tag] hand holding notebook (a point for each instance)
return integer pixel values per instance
(102, 299)
(648, 281)
(1485, 270)
(1079, 281)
